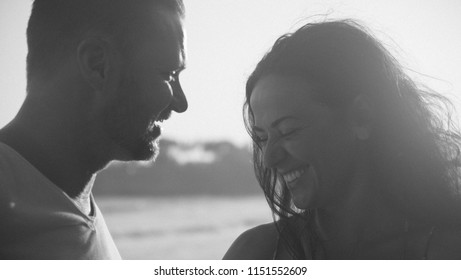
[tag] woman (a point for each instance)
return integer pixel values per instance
(355, 160)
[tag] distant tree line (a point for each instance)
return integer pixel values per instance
(230, 173)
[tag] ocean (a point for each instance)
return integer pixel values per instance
(180, 228)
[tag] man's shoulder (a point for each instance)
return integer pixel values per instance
(6, 169)
(8, 159)
(15, 169)
(257, 243)
(18, 178)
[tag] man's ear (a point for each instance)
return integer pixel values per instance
(361, 117)
(93, 60)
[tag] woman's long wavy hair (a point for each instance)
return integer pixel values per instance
(415, 141)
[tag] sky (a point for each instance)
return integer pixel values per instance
(226, 39)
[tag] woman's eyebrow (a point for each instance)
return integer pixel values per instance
(276, 122)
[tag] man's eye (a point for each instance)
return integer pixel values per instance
(169, 77)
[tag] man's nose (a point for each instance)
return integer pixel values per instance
(179, 102)
(274, 154)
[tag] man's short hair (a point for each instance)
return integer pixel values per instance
(56, 27)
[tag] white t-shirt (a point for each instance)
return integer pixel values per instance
(39, 221)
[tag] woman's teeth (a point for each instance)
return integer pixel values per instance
(294, 175)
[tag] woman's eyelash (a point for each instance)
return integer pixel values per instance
(263, 139)
(289, 133)
(259, 139)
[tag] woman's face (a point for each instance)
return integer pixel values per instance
(309, 145)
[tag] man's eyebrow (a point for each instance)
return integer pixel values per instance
(276, 122)
(180, 68)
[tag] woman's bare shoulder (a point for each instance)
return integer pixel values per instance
(258, 243)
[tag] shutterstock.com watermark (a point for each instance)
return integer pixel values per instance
(240, 271)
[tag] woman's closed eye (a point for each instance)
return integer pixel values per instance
(289, 133)
(260, 139)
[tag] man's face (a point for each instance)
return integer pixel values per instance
(148, 91)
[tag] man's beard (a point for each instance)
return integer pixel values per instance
(143, 148)
(128, 142)
(147, 147)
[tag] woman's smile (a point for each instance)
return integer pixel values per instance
(292, 176)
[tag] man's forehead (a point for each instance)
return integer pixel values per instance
(167, 41)
(169, 26)
(168, 22)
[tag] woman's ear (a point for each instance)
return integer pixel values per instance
(361, 117)
(93, 60)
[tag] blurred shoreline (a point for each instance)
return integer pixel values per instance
(184, 227)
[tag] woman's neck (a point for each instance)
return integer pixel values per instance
(362, 215)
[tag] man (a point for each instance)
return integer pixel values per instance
(102, 75)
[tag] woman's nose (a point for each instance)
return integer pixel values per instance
(273, 155)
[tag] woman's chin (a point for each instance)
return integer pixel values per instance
(302, 201)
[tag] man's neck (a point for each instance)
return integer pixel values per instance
(59, 155)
